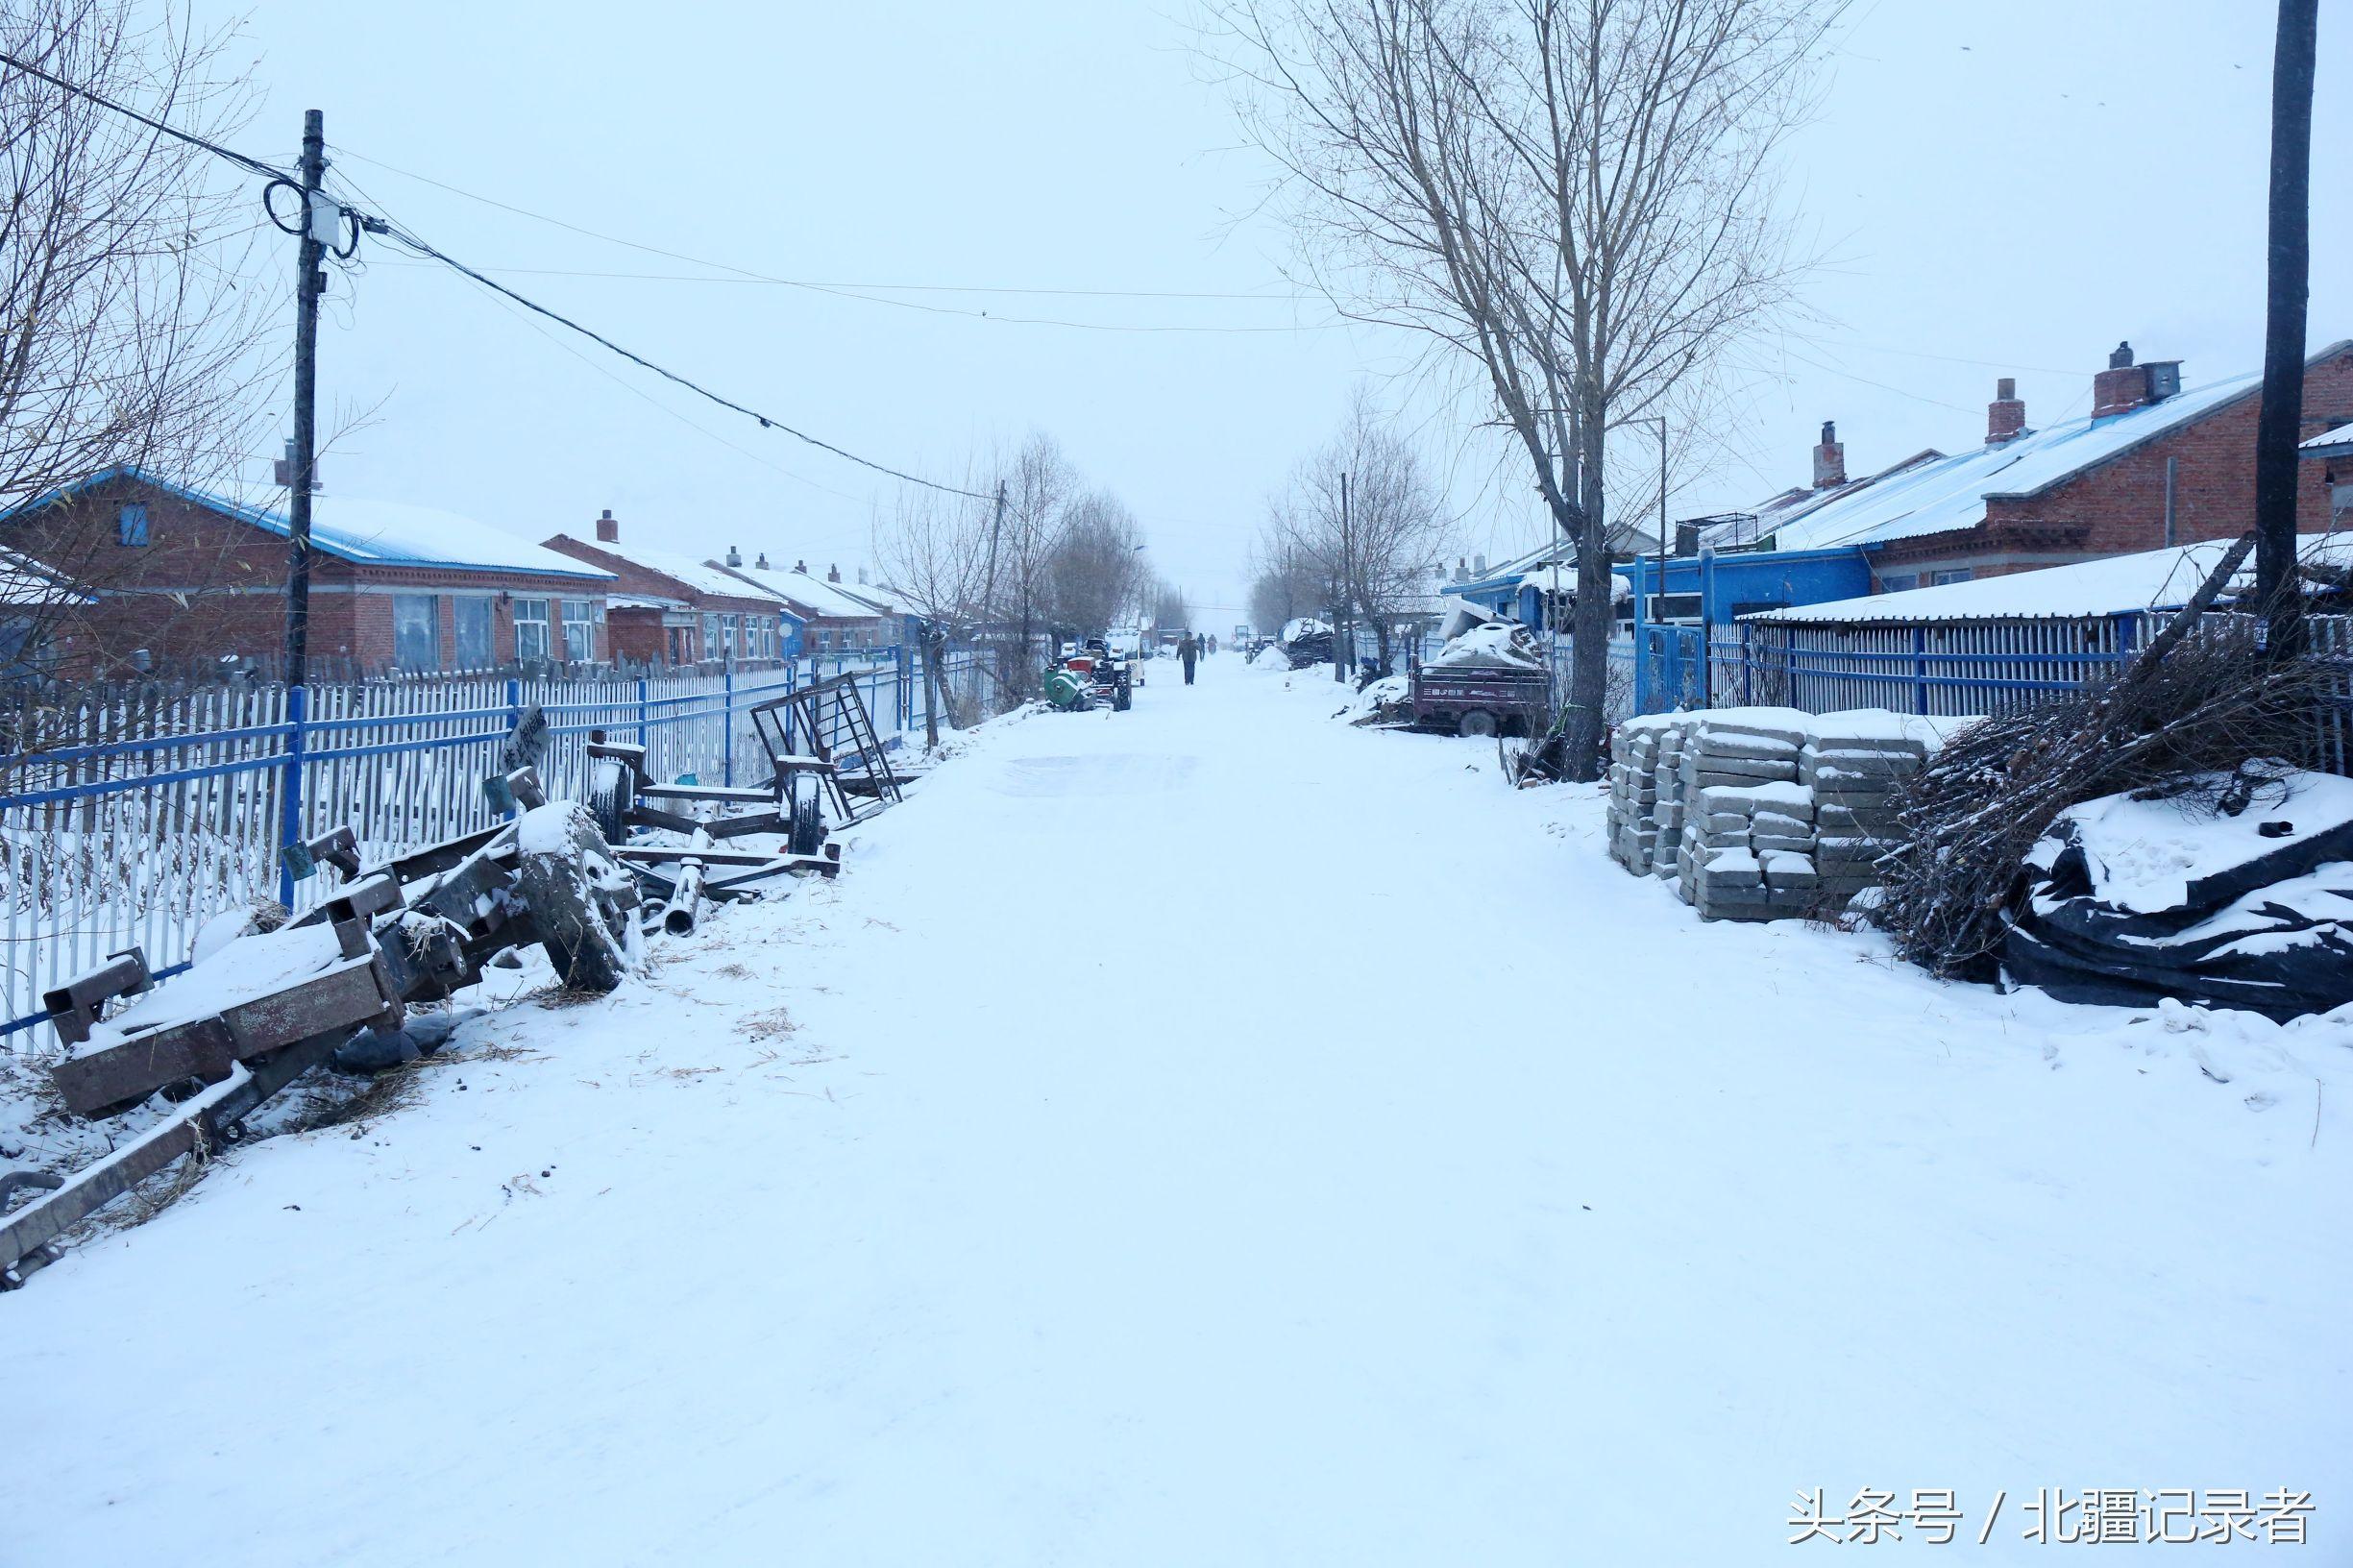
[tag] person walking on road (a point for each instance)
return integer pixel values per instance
(1189, 652)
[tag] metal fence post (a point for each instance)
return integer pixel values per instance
(1920, 670)
(640, 710)
(290, 795)
(727, 725)
(1746, 668)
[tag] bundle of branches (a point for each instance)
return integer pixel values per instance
(2201, 699)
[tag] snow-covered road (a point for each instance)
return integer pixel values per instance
(1212, 1135)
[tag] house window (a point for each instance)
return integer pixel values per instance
(580, 631)
(1666, 607)
(530, 629)
(1960, 575)
(473, 619)
(416, 632)
(824, 638)
(1898, 584)
(710, 636)
(131, 526)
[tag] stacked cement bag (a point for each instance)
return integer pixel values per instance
(1646, 792)
(1761, 813)
(1853, 763)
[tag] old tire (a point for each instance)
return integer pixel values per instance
(808, 823)
(612, 795)
(581, 905)
(1478, 723)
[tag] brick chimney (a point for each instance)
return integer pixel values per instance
(833, 573)
(735, 556)
(2122, 387)
(762, 562)
(2005, 417)
(862, 576)
(801, 567)
(609, 531)
(1829, 458)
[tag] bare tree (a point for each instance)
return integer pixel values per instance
(1099, 572)
(1365, 518)
(125, 338)
(1576, 194)
(1169, 611)
(1284, 584)
(1039, 485)
(934, 553)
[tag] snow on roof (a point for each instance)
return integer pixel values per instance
(1951, 493)
(1777, 511)
(698, 575)
(2110, 585)
(812, 592)
(25, 583)
(2327, 441)
(391, 533)
(368, 533)
(643, 601)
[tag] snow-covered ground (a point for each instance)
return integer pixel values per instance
(1216, 1135)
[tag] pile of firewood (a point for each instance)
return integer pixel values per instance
(2202, 700)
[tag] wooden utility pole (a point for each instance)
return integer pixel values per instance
(309, 283)
(2281, 421)
(1340, 586)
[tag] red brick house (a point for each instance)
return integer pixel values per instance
(835, 616)
(2333, 452)
(2090, 486)
(669, 608)
(175, 577)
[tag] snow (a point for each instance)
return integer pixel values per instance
(2109, 585)
(1141, 1156)
(2327, 440)
(688, 570)
(241, 971)
(545, 830)
(1497, 646)
(393, 533)
(814, 593)
(2144, 854)
(1950, 492)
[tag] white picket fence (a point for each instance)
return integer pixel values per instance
(174, 811)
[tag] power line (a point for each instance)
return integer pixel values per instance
(252, 165)
(398, 235)
(848, 293)
(750, 276)
(767, 421)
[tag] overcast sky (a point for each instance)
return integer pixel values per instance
(2004, 187)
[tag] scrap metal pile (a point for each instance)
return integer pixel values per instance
(1092, 677)
(583, 883)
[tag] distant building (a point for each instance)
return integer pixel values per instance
(835, 617)
(670, 608)
(170, 578)
(2077, 489)
(2333, 450)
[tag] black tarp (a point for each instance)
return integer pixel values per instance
(2271, 933)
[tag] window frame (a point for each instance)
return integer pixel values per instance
(524, 616)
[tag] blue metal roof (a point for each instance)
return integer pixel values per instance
(362, 532)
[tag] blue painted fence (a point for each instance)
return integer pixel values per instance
(174, 814)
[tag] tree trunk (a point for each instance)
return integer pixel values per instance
(1589, 623)
(935, 690)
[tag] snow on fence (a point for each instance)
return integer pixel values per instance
(163, 812)
(1936, 669)
(1942, 669)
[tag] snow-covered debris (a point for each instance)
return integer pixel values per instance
(2130, 899)
(1496, 646)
